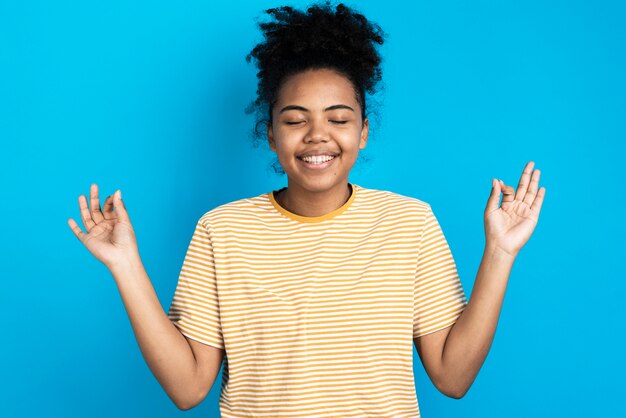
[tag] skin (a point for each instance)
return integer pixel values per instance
(452, 357)
(292, 132)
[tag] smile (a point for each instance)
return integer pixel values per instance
(317, 162)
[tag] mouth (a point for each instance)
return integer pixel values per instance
(318, 162)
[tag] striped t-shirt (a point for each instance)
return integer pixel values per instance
(317, 315)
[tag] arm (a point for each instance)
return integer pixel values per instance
(453, 356)
(186, 369)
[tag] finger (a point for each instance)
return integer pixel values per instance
(532, 189)
(120, 208)
(76, 230)
(524, 181)
(538, 202)
(494, 197)
(96, 215)
(85, 215)
(107, 211)
(509, 195)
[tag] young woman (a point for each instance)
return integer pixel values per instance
(316, 293)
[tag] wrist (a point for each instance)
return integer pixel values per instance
(125, 265)
(494, 252)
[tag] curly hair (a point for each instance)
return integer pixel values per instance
(295, 41)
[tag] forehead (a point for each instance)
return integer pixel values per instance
(317, 86)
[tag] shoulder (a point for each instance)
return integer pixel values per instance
(242, 210)
(388, 202)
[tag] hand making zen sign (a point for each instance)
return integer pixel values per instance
(509, 227)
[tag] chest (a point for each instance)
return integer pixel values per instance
(297, 284)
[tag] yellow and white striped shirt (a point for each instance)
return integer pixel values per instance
(318, 314)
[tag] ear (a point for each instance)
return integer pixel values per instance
(364, 133)
(270, 136)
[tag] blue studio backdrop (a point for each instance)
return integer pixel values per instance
(149, 97)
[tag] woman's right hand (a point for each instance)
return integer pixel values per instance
(110, 236)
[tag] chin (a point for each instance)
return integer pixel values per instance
(317, 185)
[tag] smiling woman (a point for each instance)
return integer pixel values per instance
(316, 294)
(322, 289)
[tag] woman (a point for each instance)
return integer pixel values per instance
(316, 293)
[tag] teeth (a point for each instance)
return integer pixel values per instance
(318, 159)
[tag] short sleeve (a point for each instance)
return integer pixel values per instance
(438, 296)
(195, 305)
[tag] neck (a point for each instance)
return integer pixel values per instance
(309, 203)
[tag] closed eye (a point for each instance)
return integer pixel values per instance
(339, 122)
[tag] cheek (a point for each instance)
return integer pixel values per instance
(350, 141)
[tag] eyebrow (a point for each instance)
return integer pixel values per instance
(304, 109)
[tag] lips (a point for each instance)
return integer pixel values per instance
(318, 153)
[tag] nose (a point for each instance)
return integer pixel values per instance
(317, 131)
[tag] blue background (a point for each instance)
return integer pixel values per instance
(149, 97)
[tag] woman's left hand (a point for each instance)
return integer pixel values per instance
(508, 228)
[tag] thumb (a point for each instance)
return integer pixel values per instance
(119, 206)
(494, 197)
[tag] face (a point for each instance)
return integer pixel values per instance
(317, 114)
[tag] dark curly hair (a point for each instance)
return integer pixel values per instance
(295, 41)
